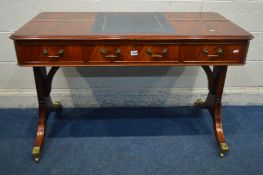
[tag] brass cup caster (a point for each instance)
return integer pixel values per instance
(223, 149)
(56, 105)
(36, 153)
(199, 103)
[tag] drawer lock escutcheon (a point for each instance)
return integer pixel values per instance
(219, 53)
(116, 54)
(153, 55)
(54, 57)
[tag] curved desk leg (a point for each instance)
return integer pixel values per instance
(43, 83)
(216, 81)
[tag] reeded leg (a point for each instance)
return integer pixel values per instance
(43, 85)
(216, 80)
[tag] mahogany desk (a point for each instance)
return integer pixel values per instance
(130, 39)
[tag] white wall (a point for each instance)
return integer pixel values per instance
(158, 86)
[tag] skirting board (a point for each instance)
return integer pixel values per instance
(149, 97)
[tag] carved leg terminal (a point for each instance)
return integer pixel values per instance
(216, 81)
(43, 85)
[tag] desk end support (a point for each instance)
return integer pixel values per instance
(216, 81)
(43, 81)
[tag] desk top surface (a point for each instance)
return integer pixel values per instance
(130, 25)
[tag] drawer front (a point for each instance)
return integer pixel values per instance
(212, 53)
(133, 53)
(78, 54)
(50, 54)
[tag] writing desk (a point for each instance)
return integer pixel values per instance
(57, 39)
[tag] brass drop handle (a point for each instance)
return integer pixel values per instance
(116, 55)
(54, 57)
(219, 53)
(162, 55)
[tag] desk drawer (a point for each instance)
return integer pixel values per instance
(211, 53)
(133, 53)
(45, 54)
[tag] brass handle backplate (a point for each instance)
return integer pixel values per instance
(153, 55)
(219, 53)
(116, 54)
(54, 57)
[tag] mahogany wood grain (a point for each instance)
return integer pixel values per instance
(235, 53)
(216, 81)
(80, 53)
(35, 54)
(58, 39)
(78, 26)
(125, 56)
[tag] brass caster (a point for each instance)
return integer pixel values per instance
(56, 105)
(222, 155)
(36, 153)
(223, 148)
(199, 102)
